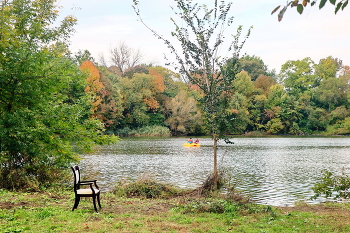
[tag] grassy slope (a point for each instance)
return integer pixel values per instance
(51, 212)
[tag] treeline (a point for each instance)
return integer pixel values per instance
(144, 100)
(304, 98)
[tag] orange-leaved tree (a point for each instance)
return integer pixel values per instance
(157, 87)
(94, 84)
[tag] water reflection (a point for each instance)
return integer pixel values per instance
(274, 171)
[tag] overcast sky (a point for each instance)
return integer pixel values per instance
(103, 24)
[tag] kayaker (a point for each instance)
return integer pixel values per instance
(197, 141)
(190, 140)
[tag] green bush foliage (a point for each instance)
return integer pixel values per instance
(145, 188)
(331, 185)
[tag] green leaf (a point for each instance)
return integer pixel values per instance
(338, 7)
(280, 15)
(300, 8)
(313, 3)
(274, 10)
(345, 4)
(332, 1)
(322, 3)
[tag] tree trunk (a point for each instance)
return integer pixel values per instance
(215, 155)
(215, 173)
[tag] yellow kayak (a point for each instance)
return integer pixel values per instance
(192, 144)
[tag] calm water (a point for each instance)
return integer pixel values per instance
(274, 171)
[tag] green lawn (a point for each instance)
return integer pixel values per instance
(51, 212)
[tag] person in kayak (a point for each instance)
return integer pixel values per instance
(190, 141)
(197, 141)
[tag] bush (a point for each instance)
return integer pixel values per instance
(145, 188)
(330, 184)
(19, 179)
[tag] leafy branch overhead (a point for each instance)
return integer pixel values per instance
(301, 4)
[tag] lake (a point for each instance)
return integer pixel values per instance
(275, 171)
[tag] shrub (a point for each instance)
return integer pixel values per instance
(145, 188)
(330, 184)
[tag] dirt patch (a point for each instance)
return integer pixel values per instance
(10, 205)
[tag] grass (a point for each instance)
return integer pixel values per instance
(51, 212)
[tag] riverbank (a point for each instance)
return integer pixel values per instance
(51, 212)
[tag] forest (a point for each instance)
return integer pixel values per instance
(304, 98)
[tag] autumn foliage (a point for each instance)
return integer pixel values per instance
(94, 84)
(156, 87)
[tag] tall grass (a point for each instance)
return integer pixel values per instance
(145, 187)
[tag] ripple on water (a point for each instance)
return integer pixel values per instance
(274, 171)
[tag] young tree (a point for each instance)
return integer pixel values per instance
(201, 35)
(44, 112)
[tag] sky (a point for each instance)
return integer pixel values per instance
(104, 24)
